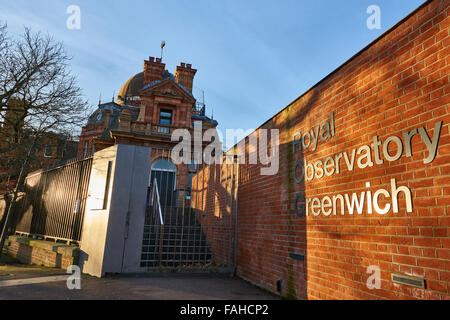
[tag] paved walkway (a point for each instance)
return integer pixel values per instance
(19, 281)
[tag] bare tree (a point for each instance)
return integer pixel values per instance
(3, 37)
(38, 97)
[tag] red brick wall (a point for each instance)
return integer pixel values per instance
(39, 256)
(397, 84)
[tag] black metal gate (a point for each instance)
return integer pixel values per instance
(53, 202)
(181, 230)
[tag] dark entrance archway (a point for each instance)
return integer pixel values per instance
(165, 172)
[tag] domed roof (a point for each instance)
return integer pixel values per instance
(130, 90)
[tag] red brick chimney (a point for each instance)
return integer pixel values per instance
(153, 70)
(184, 75)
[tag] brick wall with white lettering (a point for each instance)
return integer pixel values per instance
(292, 229)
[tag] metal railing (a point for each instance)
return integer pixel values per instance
(199, 109)
(188, 232)
(156, 203)
(54, 201)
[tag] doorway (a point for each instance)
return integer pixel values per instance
(165, 173)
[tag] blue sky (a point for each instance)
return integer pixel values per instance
(253, 57)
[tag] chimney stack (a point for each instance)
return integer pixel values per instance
(153, 70)
(184, 75)
(14, 113)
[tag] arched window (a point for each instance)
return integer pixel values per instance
(163, 165)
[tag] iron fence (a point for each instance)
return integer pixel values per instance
(53, 202)
(181, 229)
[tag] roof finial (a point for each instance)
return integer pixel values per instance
(163, 44)
(114, 93)
(100, 99)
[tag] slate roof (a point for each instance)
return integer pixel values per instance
(98, 116)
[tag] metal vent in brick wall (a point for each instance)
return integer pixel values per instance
(412, 281)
